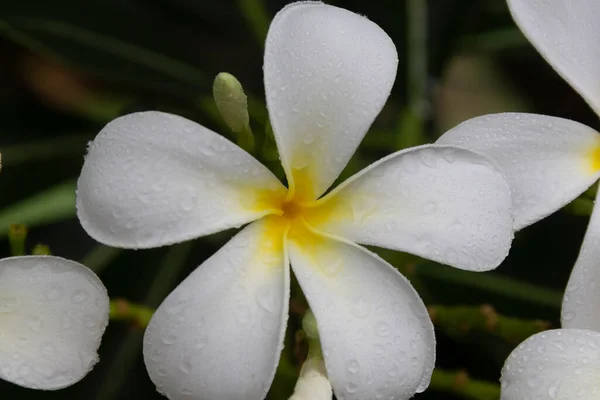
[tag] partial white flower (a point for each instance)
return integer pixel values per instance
(561, 364)
(53, 313)
(550, 161)
(312, 383)
(152, 179)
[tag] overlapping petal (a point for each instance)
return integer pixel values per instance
(53, 313)
(547, 161)
(561, 364)
(376, 335)
(440, 202)
(566, 35)
(328, 73)
(151, 179)
(581, 301)
(219, 334)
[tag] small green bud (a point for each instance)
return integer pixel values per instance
(232, 104)
(41, 250)
(309, 325)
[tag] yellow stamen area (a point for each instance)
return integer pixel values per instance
(290, 213)
(594, 159)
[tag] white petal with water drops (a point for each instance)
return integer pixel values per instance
(548, 161)
(439, 202)
(565, 32)
(151, 179)
(328, 72)
(219, 334)
(53, 313)
(562, 364)
(581, 301)
(376, 335)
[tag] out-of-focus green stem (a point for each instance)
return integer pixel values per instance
(417, 57)
(457, 321)
(494, 41)
(45, 149)
(255, 13)
(100, 257)
(412, 120)
(581, 206)
(592, 191)
(489, 282)
(54, 204)
(123, 310)
(17, 234)
(461, 385)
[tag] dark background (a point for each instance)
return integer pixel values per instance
(68, 67)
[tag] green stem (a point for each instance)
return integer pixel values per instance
(457, 321)
(45, 149)
(17, 234)
(255, 13)
(461, 385)
(123, 310)
(51, 205)
(491, 282)
(100, 257)
(411, 122)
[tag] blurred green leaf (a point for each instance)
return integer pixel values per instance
(44, 149)
(103, 43)
(52, 205)
(496, 40)
(100, 257)
(491, 282)
(582, 206)
(255, 13)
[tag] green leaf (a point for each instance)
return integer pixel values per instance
(46, 207)
(103, 54)
(492, 282)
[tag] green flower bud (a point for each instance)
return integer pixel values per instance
(309, 325)
(231, 101)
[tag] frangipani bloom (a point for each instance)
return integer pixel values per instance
(549, 162)
(152, 179)
(53, 313)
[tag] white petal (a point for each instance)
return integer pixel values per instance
(220, 333)
(376, 335)
(151, 179)
(548, 161)
(581, 302)
(566, 34)
(328, 73)
(562, 364)
(440, 202)
(53, 313)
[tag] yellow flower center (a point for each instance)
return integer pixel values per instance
(289, 211)
(594, 158)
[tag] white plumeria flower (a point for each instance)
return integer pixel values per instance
(550, 161)
(152, 179)
(53, 313)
